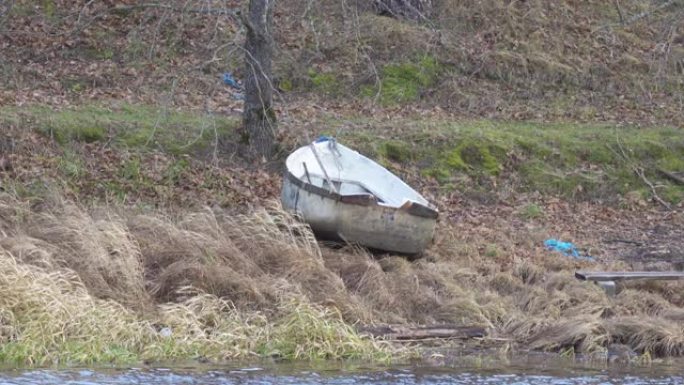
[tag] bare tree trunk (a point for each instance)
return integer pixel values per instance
(259, 117)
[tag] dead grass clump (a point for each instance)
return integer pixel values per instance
(632, 302)
(247, 259)
(583, 333)
(284, 247)
(672, 291)
(203, 325)
(572, 299)
(208, 326)
(100, 250)
(394, 264)
(652, 335)
(385, 34)
(528, 272)
(196, 252)
(48, 316)
(214, 278)
(506, 284)
(11, 212)
(31, 251)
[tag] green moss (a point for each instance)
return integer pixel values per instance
(326, 82)
(572, 160)
(175, 171)
(131, 170)
(672, 194)
(396, 151)
(403, 82)
(285, 85)
(442, 175)
(472, 155)
(532, 147)
(673, 162)
(491, 251)
(531, 211)
(136, 127)
(49, 8)
(455, 161)
(71, 165)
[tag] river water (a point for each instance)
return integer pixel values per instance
(670, 374)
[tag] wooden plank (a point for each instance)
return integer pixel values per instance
(624, 275)
(400, 332)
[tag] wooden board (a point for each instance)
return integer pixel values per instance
(399, 332)
(623, 275)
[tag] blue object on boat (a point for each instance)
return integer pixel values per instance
(566, 248)
(322, 138)
(229, 80)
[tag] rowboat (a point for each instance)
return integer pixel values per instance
(345, 196)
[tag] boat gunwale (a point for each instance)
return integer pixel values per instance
(413, 208)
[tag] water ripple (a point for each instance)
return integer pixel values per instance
(256, 376)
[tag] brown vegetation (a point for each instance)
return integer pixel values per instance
(114, 235)
(255, 260)
(587, 61)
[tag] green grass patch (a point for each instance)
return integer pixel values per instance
(313, 333)
(531, 211)
(71, 165)
(476, 155)
(403, 82)
(133, 126)
(326, 82)
(395, 150)
(573, 160)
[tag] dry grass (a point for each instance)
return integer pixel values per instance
(87, 285)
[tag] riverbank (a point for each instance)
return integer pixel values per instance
(133, 229)
(118, 251)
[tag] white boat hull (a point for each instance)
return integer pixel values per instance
(357, 216)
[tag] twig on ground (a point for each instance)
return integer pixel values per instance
(164, 112)
(639, 171)
(619, 10)
(637, 243)
(672, 176)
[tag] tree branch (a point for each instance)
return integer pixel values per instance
(639, 171)
(672, 176)
(619, 10)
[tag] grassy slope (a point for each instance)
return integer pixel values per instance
(142, 170)
(487, 271)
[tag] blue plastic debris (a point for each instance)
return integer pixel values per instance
(322, 139)
(229, 80)
(566, 248)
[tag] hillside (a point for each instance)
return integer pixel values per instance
(522, 60)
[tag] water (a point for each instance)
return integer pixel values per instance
(340, 376)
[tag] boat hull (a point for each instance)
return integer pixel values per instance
(404, 230)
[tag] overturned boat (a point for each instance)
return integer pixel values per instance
(343, 195)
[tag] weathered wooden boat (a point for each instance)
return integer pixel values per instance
(343, 195)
